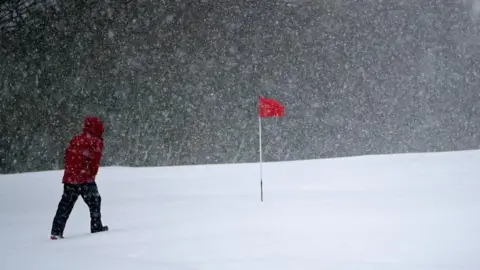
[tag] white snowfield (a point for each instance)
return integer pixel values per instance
(392, 212)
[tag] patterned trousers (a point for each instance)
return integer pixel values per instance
(71, 192)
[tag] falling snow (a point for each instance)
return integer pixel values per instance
(177, 82)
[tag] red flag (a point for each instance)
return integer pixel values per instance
(268, 107)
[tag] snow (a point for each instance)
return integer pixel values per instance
(391, 212)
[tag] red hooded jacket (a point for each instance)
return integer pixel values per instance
(83, 154)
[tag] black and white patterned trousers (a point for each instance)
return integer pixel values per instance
(71, 192)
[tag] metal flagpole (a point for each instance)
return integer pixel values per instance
(261, 158)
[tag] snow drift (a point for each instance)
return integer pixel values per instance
(410, 211)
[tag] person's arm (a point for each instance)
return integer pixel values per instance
(96, 156)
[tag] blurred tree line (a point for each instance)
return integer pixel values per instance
(176, 82)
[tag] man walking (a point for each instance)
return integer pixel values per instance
(82, 160)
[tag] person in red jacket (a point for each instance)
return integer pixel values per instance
(82, 160)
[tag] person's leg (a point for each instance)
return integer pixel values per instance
(92, 198)
(64, 209)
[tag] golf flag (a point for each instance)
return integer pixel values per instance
(267, 107)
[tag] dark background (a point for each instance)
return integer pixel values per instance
(177, 82)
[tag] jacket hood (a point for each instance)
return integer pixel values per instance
(93, 126)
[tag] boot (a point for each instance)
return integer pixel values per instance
(55, 237)
(101, 229)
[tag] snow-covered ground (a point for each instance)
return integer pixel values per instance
(409, 212)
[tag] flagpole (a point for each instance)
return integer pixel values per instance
(267, 107)
(261, 157)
